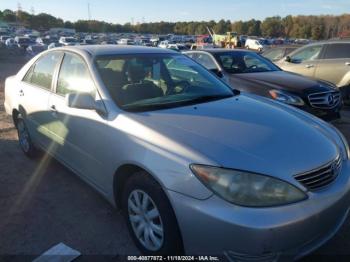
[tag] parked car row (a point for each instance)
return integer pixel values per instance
(249, 72)
(196, 166)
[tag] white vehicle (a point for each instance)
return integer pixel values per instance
(68, 41)
(177, 47)
(164, 44)
(44, 40)
(10, 43)
(53, 45)
(254, 44)
(125, 41)
(3, 38)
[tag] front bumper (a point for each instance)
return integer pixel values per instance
(325, 114)
(216, 227)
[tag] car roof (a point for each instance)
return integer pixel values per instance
(219, 50)
(331, 41)
(100, 50)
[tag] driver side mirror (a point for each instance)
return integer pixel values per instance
(85, 101)
(80, 101)
(217, 72)
(288, 59)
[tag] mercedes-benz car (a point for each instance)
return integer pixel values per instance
(250, 72)
(196, 167)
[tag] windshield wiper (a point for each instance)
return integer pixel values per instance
(159, 106)
(207, 98)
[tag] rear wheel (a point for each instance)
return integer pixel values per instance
(150, 217)
(25, 142)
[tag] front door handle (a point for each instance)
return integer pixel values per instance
(53, 109)
(310, 66)
(347, 63)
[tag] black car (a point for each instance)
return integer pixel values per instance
(250, 72)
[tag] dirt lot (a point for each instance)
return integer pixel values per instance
(41, 207)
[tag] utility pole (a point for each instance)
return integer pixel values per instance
(32, 10)
(19, 9)
(89, 12)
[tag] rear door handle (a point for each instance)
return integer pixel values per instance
(310, 66)
(347, 63)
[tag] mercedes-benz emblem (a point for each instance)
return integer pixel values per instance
(334, 168)
(330, 99)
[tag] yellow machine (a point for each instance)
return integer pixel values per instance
(230, 40)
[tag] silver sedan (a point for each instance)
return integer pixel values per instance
(196, 167)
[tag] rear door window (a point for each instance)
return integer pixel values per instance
(41, 73)
(336, 51)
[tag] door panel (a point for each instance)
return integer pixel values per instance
(34, 108)
(79, 138)
(306, 68)
(34, 96)
(79, 135)
(336, 58)
(332, 70)
(304, 61)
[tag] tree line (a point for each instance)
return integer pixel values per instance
(311, 27)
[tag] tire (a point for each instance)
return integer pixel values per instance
(166, 238)
(24, 140)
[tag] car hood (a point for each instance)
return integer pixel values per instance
(283, 80)
(243, 132)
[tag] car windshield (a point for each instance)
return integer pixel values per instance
(244, 62)
(157, 81)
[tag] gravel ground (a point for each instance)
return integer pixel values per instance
(41, 207)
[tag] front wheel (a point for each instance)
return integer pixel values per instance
(25, 142)
(150, 217)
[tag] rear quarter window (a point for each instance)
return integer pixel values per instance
(336, 51)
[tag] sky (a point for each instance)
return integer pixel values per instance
(133, 11)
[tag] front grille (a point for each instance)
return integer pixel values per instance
(320, 177)
(325, 100)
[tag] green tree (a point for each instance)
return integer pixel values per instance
(222, 27)
(9, 15)
(288, 24)
(272, 26)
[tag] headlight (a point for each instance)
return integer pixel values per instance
(286, 97)
(247, 189)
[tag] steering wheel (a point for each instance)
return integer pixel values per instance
(249, 68)
(183, 85)
(252, 67)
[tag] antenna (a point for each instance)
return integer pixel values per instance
(19, 7)
(89, 12)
